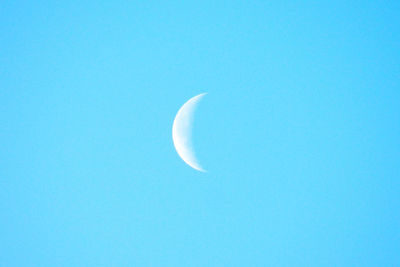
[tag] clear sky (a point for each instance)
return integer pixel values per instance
(299, 132)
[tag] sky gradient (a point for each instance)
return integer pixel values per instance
(299, 133)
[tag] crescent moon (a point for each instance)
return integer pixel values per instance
(182, 132)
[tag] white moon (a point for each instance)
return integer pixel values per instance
(182, 132)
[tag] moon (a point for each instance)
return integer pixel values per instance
(182, 132)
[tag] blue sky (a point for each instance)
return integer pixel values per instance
(299, 133)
